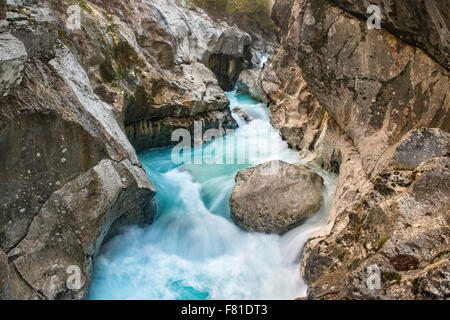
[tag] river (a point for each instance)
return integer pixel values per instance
(193, 250)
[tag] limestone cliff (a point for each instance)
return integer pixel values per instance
(83, 84)
(372, 105)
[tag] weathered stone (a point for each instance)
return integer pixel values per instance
(73, 223)
(275, 197)
(12, 59)
(163, 70)
(434, 281)
(4, 276)
(421, 23)
(35, 25)
(2, 9)
(69, 174)
(70, 178)
(374, 86)
(416, 147)
(248, 83)
(374, 109)
(197, 97)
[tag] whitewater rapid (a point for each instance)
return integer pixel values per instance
(193, 250)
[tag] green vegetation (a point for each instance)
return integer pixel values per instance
(391, 276)
(107, 72)
(381, 243)
(83, 5)
(415, 286)
(241, 11)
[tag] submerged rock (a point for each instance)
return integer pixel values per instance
(275, 197)
(244, 115)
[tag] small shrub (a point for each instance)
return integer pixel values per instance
(382, 243)
(391, 276)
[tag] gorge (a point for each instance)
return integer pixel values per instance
(91, 93)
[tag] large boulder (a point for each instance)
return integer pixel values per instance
(275, 197)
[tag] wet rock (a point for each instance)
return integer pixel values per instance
(244, 115)
(275, 197)
(68, 231)
(65, 159)
(248, 83)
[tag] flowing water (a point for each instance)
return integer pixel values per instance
(193, 250)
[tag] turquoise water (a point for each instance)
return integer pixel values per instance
(193, 250)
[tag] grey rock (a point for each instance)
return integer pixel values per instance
(2, 9)
(417, 146)
(402, 18)
(4, 276)
(12, 59)
(275, 197)
(249, 83)
(421, 145)
(73, 223)
(366, 105)
(69, 178)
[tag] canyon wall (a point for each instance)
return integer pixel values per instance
(373, 106)
(83, 85)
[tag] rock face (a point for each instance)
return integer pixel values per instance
(169, 62)
(12, 59)
(249, 83)
(420, 23)
(82, 87)
(2, 9)
(275, 197)
(68, 176)
(366, 105)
